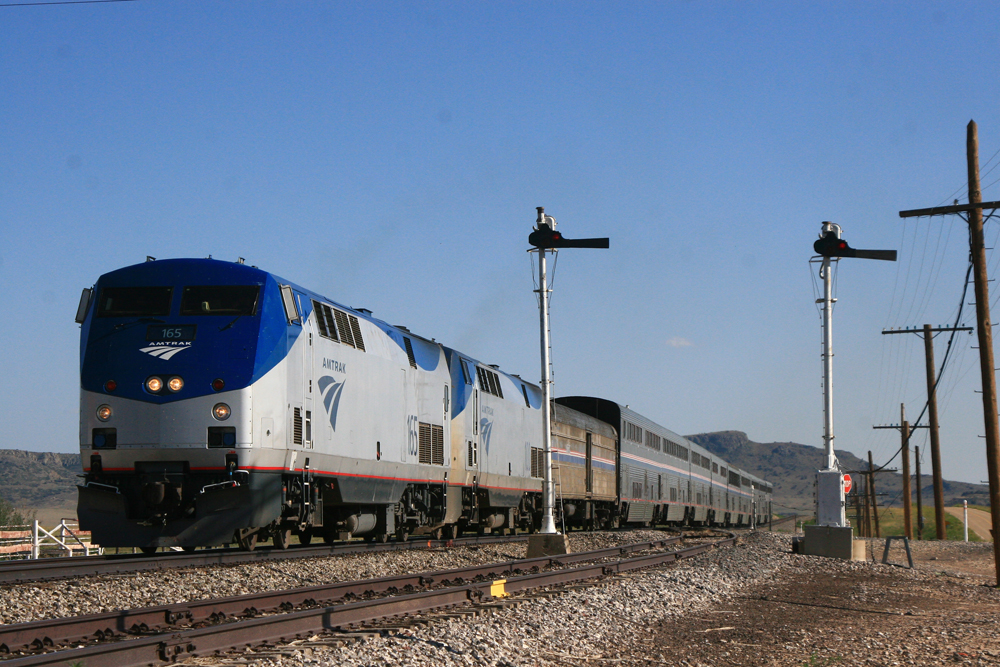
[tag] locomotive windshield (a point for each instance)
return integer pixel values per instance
(220, 300)
(134, 302)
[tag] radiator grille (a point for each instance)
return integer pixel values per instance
(359, 342)
(409, 352)
(344, 328)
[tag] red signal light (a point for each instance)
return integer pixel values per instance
(218, 384)
(110, 385)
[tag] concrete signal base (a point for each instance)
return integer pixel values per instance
(832, 542)
(547, 545)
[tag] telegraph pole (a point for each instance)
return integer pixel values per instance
(904, 449)
(920, 496)
(907, 493)
(928, 335)
(983, 325)
(871, 492)
(545, 238)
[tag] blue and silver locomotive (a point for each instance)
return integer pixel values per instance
(222, 403)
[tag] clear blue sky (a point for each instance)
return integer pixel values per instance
(391, 156)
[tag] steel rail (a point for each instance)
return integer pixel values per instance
(47, 569)
(283, 627)
(36, 635)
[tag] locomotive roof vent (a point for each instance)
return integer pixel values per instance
(363, 310)
(150, 259)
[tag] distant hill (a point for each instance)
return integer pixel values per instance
(46, 481)
(39, 480)
(792, 467)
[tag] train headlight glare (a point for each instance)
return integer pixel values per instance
(104, 413)
(175, 384)
(154, 385)
(221, 412)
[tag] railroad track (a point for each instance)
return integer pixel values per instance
(311, 610)
(46, 569)
(783, 521)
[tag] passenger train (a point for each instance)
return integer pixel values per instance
(221, 403)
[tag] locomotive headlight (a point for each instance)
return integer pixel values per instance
(221, 412)
(175, 384)
(104, 413)
(154, 385)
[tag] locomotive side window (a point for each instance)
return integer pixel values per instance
(134, 302)
(220, 300)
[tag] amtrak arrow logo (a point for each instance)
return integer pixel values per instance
(331, 390)
(163, 351)
(486, 428)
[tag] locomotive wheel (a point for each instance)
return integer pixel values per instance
(450, 531)
(282, 538)
(149, 551)
(247, 540)
(189, 549)
(402, 534)
(382, 538)
(305, 536)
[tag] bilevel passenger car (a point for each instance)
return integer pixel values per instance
(222, 403)
(660, 477)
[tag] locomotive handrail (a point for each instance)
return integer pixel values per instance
(228, 482)
(106, 486)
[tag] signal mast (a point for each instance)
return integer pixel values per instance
(545, 238)
(831, 536)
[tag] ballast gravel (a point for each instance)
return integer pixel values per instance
(753, 604)
(20, 603)
(572, 628)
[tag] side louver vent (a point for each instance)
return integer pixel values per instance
(297, 426)
(430, 444)
(437, 445)
(537, 462)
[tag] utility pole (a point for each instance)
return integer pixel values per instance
(905, 429)
(928, 335)
(545, 238)
(871, 492)
(920, 497)
(983, 325)
(907, 493)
